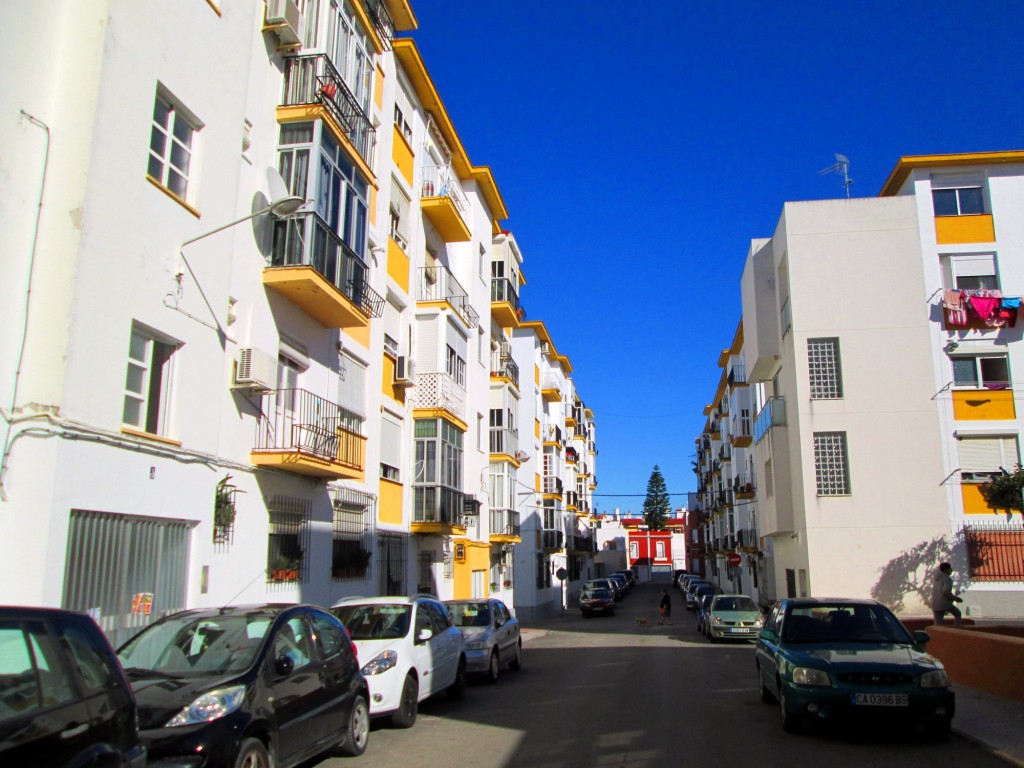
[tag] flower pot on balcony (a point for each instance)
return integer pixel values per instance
(329, 90)
(428, 189)
(284, 574)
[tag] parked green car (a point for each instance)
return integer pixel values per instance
(731, 617)
(830, 659)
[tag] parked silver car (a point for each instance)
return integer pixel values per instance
(491, 633)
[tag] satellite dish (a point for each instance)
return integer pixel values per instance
(282, 202)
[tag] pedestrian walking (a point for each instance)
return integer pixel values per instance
(665, 608)
(943, 598)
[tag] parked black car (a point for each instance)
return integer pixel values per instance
(64, 700)
(253, 686)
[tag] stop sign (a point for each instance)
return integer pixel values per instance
(734, 559)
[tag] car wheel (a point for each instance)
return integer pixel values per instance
(357, 735)
(252, 754)
(457, 690)
(711, 637)
(766, 695)
(408, 704)
(493, 669)
(517, 661)
(790, 720)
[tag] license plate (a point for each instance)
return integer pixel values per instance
(880, 699)
(740, 630)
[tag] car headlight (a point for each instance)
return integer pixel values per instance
(210, 706)
(476, 645)
(759, 621)
(716, 620)
(936, 678)
(382, 662)
(810, 676)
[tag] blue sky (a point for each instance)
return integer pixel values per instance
(639, 148)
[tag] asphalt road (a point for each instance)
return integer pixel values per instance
(609, 691)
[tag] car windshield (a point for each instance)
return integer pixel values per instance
(374, 621)
(197, 645)
(470, 614)
(595, 594)
(734, 604)
(843, 623)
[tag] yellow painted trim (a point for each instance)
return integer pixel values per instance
(402, 15)
(359, 334)
(440, 413)
(388, 386)
(371, 30)
(505, 458)
(308, 112)
(501, 538)
(444, 529)
(983, 405)
(402, 154)
(150, 436)
(446, 219)
(307, 465)
(390, 509)
(398, 265)
(974, 502)
(541, 331)
(215, 8)
(194, 211)
(378, 88)
(536, 428)
(952, 230)
(910, 163)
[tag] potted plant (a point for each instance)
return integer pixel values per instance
(223, 509)
(285, 568)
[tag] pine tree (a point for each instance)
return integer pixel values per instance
(656, 503)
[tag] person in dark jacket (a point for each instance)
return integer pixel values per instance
(665, 608)
(943, 598)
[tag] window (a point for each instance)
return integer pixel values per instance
(634, 550)
(31, 669)
(402, 124)
(984, 457)
(958, 201)
(969, 271)
(831, 469)
(399, 210)
(455, 366)
(171, 146)
(438, 453)
(981, 371)
(824, 369)
(350, 547)
(390, 449)
(148, 382)
(659, 550)
(288, 539)
(348, 48)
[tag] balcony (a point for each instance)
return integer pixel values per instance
(725, 452)
(572, 501)
(438, 510)
(381, 20)
(976, 310)
(303, 433)
(743, 486)
(571, 457)
(505, 308)
(438, 285)
(506, 369)
(551, 387)
(956, 230)
(742, 434)
(552, 434)
(746, 540)
(504, 442)
(552, 540)
(439, 393)
(984, 404)
(582, 544)
(444, 203)
(593, 483)
(318, 272)
(724, 498)
(505, 527)
(773, 414)
(311, 81)
(737, 376)
(550, 485)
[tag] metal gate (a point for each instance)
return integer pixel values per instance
(125, 570)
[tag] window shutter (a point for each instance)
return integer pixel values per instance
(988, 454)
(975, 265)
(390, 442)
(352, 385)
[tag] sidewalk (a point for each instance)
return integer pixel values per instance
(994, 723)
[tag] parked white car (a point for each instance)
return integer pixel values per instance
(491, 633)
(410, 650)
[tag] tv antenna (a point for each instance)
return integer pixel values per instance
(841, 166)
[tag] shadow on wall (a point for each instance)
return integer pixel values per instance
(911, 572)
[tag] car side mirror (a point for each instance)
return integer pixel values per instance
(284, 665)
(922, 638)
(767, 634)
(423, 635)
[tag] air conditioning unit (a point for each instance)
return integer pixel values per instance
(405, 371)
(255, 370)
(522, 456)
(285, 17)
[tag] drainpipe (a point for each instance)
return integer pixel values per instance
(9, 416)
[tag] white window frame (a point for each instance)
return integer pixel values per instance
(824, 368)
(173, 145)
(958, 186)
(983, 457)
(148, 353)
(980, 380)
(969, 271)
(831, 464)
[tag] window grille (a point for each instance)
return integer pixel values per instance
(288, 540)
(391, 559)
(831, 469)
(824, 368)
(995, 553)
(351, 546)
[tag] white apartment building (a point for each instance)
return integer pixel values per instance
(249, 341)
(882, 403)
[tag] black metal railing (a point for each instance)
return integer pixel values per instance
(583, 543)
(571, 456)
(504, 440)
(307, 241)
(300, 421)
(550, 539)
(737, 375)
(437, 283)
(504, 522)
(506, 368)
(504, 290)
(572, 499)
(995, 553)
(438, 504)
(743, 483)
(381, 20)
(313, 79)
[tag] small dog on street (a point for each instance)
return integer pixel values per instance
(641, 620)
